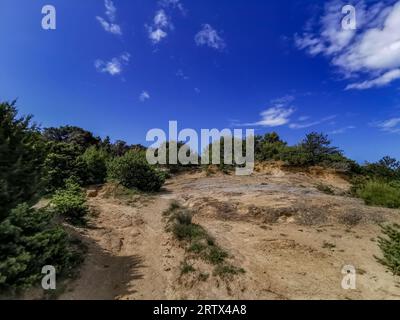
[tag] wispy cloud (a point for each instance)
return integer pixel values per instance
(380, 81)
(182, 75)
(144, 96)
(175, 4)
(208, 36)
(391, 125)
(278, 114)
(341, 130)
(111, 13)
(281, 113)
(114, 66)
(372, 51)
(304, 125)
(160, 27)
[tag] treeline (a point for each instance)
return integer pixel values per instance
(58, 162)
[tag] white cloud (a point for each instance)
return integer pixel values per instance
(380, 81)
(176, 4)
(109, 27)
(280, 114)
(208, 36)
(114, 66)
(111, 13)
(111, 10)
(341, 130)
(311, 124)
(391, 125)
(372, 51)
(144, 96)
(160, 27)
(275, 116)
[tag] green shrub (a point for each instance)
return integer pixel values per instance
(226, 271)
(22, 152)
(28, 241)
(63, 162)
(70, 203)
(186, 268)
(378, 193)
(95, 163)
(390, 247)
(133, 171)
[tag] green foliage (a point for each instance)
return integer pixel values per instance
(63, 162)
(70, 203)
(226, 271)
(186, 268)
(199, 243)
(380, 193)
(387, 169)
(71, 135)
(390, 247)
(28, 241)
(22, 152)
(133, 171)
(269, 147)
(95, 164)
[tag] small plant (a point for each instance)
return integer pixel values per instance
(186, 268)
(215, 255)
(198, 242)
(227, 271)
(71, 203)
(390, 247)
(203, 276)
(328, 245)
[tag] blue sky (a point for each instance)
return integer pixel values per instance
(123, 67)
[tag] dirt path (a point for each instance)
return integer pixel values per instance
(128, 253)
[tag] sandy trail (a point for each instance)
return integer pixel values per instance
(131, 256)
(127, 253)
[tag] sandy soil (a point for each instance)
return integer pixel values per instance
(291, 239)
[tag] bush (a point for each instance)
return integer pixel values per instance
(70, 203)
(29, 241)
(95, 163)
(133, 171)
(62, 162)
(390, 247)
(22, 152)
(379, 193)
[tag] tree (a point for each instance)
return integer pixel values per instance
(317, 148)
(71, 135)
(387, 168)
(269, 147)
(63, 162)
(22, 152)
